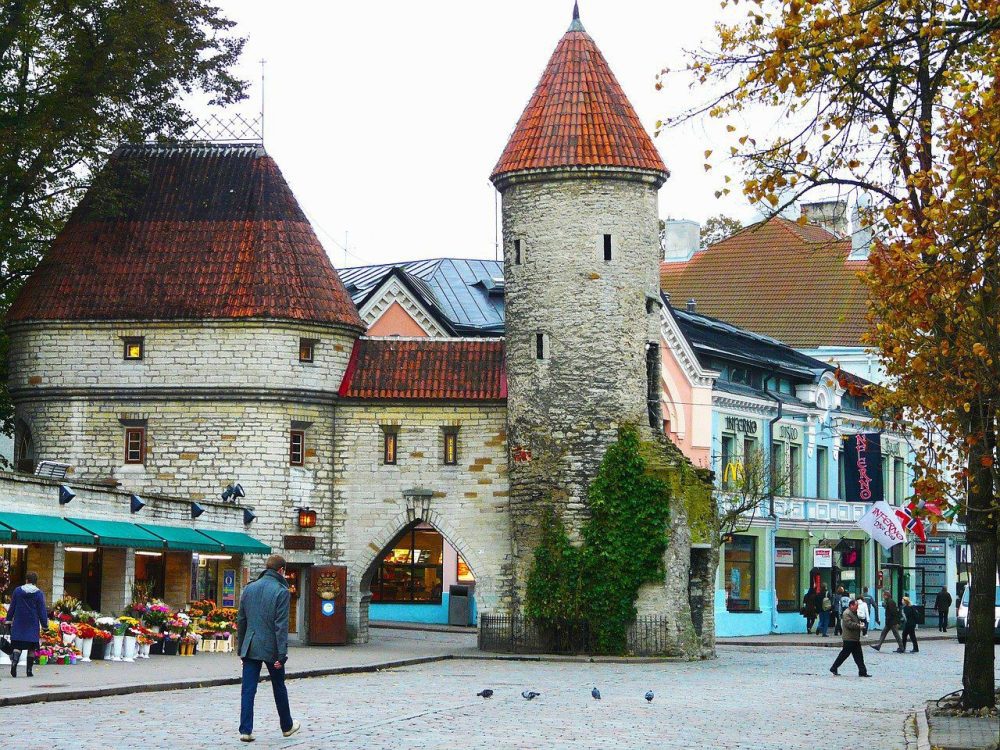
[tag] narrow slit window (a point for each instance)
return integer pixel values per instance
(450, 447)
(389, 447)
(297, 448)
(517, 252)
(539, 346)
(607, 247)
(135, 445)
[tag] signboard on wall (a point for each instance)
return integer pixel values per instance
(863, 467)
(822, 557)
(327, 605)
(229, 588)
(784, 557)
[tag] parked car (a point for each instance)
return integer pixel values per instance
(962, 629)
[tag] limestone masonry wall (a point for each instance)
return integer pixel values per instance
(467, 503)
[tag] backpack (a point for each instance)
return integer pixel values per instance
(827, 604)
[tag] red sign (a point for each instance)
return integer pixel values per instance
(921, 549)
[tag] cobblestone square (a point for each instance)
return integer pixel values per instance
(747, 698)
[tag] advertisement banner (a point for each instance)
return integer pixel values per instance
(784, 557)
(883, 525)
(822, 557)
(863, 467)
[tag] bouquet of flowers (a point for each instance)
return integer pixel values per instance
(102, 635)
(85, 616)
(157, 613)
(106, 624)
(137, 609)
(65, 606)
(223, 614)
(200, 608)
(85, 631)
(130, 624)
(68, 628)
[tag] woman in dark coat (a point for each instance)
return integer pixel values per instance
(910, 626)
(809, 609)
(27, 616)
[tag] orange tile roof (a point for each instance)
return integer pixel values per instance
(426, 369)
(779, 278)
(187, 232)
(578, 116)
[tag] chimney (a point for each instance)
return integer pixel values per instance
(681, 239)
(692, 305)
(861, 237)
(831, 215)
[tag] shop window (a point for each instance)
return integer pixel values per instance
(848, 556)
(795, 471)
(134, 347)
(389, 446)
(451, 447)
(740, 575)
(150, 572)
(307, 350)
(82, 575)
(207, 580)
(899, 479)
(15, 559)
(822, 471)
(135, 445)
(462, 573)
(728, 462)
(297, 448)
(787, 574)
(413, 570)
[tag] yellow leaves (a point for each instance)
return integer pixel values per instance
(730, 128)
(801, 157)
(966, 407)
(979, 350)
(708, 152)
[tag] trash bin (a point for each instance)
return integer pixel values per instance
(459, 609)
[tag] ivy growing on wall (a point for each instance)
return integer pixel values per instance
(623, 545)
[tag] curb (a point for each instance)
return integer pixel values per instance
(73, 695)
(427, 627)
(923, 730)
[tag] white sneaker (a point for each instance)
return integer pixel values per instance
(296, 726)
(247, 738)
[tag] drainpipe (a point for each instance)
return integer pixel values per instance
(773, 531)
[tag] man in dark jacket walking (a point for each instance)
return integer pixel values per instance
(942, 603)
(28, 617)
(262, 635)
(851, 625)
(891, 622)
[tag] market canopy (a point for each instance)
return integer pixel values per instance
(181, 537)
(119, 533)
(237, 541)
(29, 527)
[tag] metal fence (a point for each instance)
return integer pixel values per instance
(648, 636)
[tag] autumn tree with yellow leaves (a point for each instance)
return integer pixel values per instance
(898, 100)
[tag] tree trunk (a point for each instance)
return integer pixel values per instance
(981, 528)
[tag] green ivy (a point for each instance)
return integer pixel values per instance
(623, 545)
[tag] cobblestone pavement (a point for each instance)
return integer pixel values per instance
(747, 698)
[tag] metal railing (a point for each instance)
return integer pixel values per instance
(648, 635)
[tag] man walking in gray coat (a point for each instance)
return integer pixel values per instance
(262, 635)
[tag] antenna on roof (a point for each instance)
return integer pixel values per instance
(263, 62)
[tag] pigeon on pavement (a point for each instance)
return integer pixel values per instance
(529, 695)
(595, 694)
(649, 696)
(487, 693)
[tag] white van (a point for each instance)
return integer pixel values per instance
(963, 616)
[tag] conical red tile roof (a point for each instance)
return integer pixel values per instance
(578, 116)
(187, 232)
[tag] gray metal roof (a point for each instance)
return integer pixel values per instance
(467, 292)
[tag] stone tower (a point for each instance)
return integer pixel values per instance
(579, 180)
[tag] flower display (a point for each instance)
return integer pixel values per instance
(85, 631)
(68, 628)
(66, 606)
(102, 635)
(157, 613)
(201, 607)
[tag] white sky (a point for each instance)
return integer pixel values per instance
(386, 118)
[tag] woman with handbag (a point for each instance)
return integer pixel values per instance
(28, 617)
(909, 626)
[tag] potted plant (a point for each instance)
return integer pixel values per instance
(170, 642)
(43, 655)
(129, 635)
(99, 648)
(187, 646)
(111, 625)
(85, 634)
(156, 616)
(68, 630)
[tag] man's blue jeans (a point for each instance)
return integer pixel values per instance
(251, 676)
(824, 623)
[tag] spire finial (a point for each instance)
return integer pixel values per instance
(576, 25)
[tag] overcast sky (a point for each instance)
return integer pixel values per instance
(387, 118)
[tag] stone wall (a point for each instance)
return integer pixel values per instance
(467, 503)
(565, 409)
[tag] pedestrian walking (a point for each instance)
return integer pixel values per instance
(825, 608)
(891, 622)
(262, 635)
(942, 603)
(851, 626)
(809, 609)
(872, 606)
(909, 625)
(863, 615)
(840, 602)
(28, 617)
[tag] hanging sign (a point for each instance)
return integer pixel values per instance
(863, 467)
(822, 557)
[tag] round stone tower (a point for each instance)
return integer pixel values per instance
(579, 180)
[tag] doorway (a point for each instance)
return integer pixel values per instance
(298, 605)
(82, 576)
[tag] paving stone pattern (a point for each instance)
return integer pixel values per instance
(962, 733)
(775, 698)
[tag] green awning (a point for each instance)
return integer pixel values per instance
(29, 527)
(181, 537)
(236, 541)
(119, 533)
(6, 534)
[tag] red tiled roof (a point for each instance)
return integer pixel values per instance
(187, 232)
(452, 369)
(578, 116)
(779, 278)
